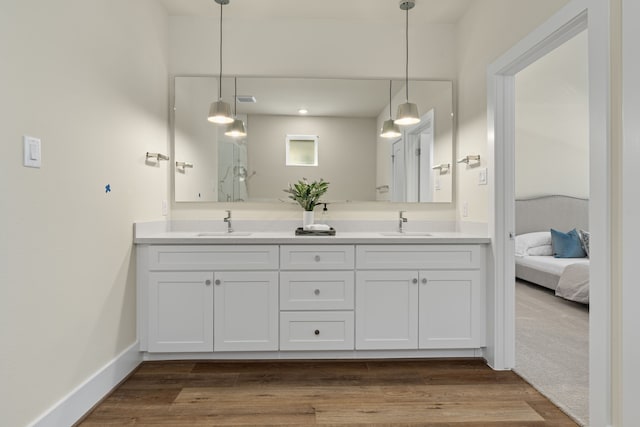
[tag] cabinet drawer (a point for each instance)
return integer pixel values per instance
(214, 257)
(378, 257)
(310, 330)
(315, 257)
(316, 290)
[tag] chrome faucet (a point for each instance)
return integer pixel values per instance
(401, 219)
(227, 219)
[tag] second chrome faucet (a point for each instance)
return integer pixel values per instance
(227, 219)
(401, 220)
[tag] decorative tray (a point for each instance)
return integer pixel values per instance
(302, 232)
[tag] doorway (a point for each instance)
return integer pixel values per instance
(552, 192)
(574, 18)
(411, 162)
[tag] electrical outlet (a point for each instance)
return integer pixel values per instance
(465, 209)
(165, 208)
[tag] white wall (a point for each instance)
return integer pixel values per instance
(488, 29)
(90, 79)
(346, 156)
(552, 123)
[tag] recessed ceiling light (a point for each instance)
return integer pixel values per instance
(303, 111)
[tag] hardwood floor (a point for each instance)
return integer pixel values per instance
(439, 393)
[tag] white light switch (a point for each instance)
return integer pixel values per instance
(465, 209)
(482, 176)
(32, 152)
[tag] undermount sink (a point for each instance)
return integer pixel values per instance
(406, 234)
(223, 234)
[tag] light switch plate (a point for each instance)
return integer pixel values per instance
(32, 151)
(482, 176)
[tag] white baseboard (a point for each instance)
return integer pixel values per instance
(79, 401)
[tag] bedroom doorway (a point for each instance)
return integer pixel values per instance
(571, 20)
(552, 192)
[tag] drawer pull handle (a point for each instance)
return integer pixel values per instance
(424, 280)
(414, 281)
(317, 332)
(317, 292)
(218, 282)
(317, 258)
(207, 282)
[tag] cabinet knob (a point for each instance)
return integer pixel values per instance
(424, 280)
(414, 281)
(317, 292)
(207, 282)
(317, 258)
(218, 282)
(317, 332)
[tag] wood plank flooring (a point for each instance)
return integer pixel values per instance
(463, 393)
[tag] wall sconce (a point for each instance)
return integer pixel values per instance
(442, 167)
(156, 156)
(383, 189)
(181, 166)
(470, 158)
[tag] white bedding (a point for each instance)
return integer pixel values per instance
(549, 264)
(572, 275)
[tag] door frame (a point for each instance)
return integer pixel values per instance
(573, 18)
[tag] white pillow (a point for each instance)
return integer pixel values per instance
(546, 250)
(524, 242)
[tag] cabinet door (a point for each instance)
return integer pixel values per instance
(180, 311)
(246, 311)
(386, 310)
(452, 309)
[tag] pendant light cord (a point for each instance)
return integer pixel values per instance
(407, 57)
(390, 113)
(235, 96)
(220, 79)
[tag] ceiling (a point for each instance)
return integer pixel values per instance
(426, 11)
(332, 97)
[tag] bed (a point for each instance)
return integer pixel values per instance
(535, 263)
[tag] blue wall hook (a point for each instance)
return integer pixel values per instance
(107, 188)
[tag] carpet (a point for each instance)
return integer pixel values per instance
(552, 348)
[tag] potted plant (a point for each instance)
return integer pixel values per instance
(308, 196)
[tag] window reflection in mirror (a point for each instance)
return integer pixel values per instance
(346, 116)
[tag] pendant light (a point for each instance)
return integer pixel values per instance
(220, 111)
(236, 129)
(407, 112)
(389, 128)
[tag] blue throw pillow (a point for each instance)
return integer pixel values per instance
(567, 245)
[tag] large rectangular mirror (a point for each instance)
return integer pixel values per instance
(338, 139)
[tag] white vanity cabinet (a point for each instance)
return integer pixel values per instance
(180, 311)
(206, 298)
(420, 297)
(245, 311)
(316, 297)
(307, 298)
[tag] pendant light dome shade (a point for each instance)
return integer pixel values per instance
(408, 112)
(220, 111)
(236, 129)
(389, 128)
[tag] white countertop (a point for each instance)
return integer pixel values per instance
(157, 233)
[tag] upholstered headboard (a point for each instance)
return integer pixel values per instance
(560, 212)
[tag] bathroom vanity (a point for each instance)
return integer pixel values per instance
(276, 295)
